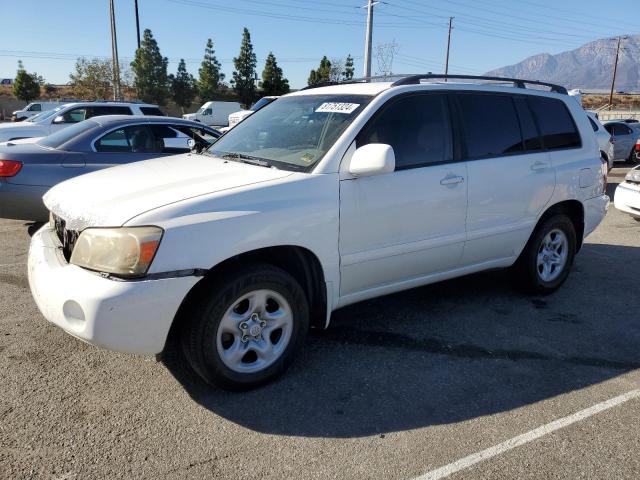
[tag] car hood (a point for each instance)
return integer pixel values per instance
(113, 196)
(22, 141)
(10, 130)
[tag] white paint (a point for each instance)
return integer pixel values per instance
(528, 437)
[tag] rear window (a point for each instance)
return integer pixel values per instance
(490, 125)
(59, 138)
(556, 124)
(151, 111)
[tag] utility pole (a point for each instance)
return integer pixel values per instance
(114, 53)
(446, 63)
(615, 70)
(368, 39)
(137, 22)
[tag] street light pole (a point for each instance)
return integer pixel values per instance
(114, 53)
(137, 22)
(446, 63)
(615, 70)
(368, 39)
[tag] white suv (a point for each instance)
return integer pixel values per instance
(49, 121)
(330, 196)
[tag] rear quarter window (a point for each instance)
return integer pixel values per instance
(555, 122)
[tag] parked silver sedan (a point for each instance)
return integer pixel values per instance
(28, 169)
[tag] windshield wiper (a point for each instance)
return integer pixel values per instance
(241, 157)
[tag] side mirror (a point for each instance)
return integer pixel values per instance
(192, 144)
(372, 159)
(59, 119)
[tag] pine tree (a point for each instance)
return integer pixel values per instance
(273, 82)
(322, 74)
(209, 73)
(183, 86)
(244, 82)
(150, 71)
(348, 68)
(26, 86)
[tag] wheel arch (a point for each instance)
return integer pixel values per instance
(298, 261)
(572, 209)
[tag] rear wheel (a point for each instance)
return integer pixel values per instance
(545, 262)
(245, 329)
(632, 159)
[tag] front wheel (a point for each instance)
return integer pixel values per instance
(545, 262)
(244, 330)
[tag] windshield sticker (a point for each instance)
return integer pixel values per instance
(337, 107)
(307, 158)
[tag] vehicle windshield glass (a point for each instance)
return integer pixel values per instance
(261, 103)
(200, 110)
(59, 138)
(44, 115)
(295, 132)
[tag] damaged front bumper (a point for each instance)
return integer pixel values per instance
(125, 316)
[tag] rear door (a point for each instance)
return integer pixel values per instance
(409, 223)
(511, 177)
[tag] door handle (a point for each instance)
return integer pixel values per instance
(451, 180)
(538, 166)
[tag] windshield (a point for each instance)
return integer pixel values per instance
(200, 111)
(59, 138)
(44, 115)
(261, 103)
(295, 132)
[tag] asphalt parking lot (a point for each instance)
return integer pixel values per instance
(422, 383)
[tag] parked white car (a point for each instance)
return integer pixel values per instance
(213, 113)
(236, 117)
(61, 117)
(604, 139)
(34, 108)
(330, 196)
(627, 196)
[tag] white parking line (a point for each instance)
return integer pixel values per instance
(514, 442)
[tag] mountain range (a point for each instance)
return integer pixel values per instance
(587, 67)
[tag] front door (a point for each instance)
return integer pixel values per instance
(409, 223)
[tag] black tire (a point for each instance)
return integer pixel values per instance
(632, 158)
(215, 297)
(526, 270)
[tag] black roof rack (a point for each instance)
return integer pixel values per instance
(517, 82)
(416, 79)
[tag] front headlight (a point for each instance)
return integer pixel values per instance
(633, 176)
(126, 251)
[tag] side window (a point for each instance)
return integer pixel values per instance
(36, 107)
(132, 139)
(417, 127)
(490, 125)
(151, 111)
(555, 122)
(208, 111)
(530, 134)
(76, 115)
(110, 110)
(593, 124)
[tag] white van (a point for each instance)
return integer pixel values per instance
(214, 113)
(34, 108)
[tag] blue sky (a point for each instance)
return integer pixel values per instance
(49, 35)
